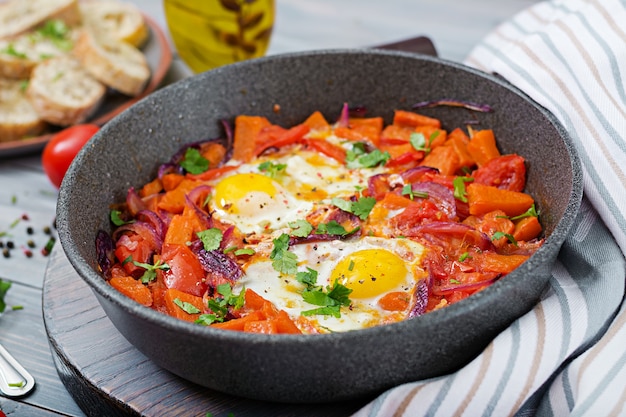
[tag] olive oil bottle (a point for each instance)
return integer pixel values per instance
(211, 33)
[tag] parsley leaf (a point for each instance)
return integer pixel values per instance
(150, 273)
(283, 261)
(301, 228)
(360, 159)
(408, 190)
(330, 300)
(498, 235)
(117, 220)
(4, 287)
(244, 251)
(211, 238)
(272, 169)
(334, 228)
(308, 277)
(186, 307)
(419, 143)
(464, 256)
(358, 149)
(193, 161)
(459, 187)
(531, 212)
(361, 208)
(219, 306)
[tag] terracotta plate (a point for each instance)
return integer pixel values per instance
(159, 56)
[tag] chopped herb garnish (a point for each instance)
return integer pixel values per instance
(419, 143)
(211, 238)
(301, 228)
(531, 212)
(244, 251)
(150, 273)
(219, 305)
(408, 190)
(330, 300)
(283, 261)
(117, 220)
(271, 169)
(358, 158)
(361, 208)
(308, 277)
(334, 228)
(10, 50)
(58, 32)
(4, 287)
(459, 187)
(186, 307)
(193, 161)
(498, 235)
(358, 149)
(464, 256)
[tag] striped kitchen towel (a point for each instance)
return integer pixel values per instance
(566, 357)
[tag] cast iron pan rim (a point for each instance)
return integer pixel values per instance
(433, 319)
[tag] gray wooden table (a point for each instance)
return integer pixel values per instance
(28, 200)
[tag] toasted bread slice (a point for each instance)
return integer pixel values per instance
(19, 55)
(122, 21)
(18, 118)
(19, 16)
(115, 63)
(63, 92)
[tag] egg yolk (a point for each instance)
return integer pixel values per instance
(370, 272)
(236, 193)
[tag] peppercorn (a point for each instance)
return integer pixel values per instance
(6, 253)
(30, 243)
(30, 230)
(10, 244)
(47, 230)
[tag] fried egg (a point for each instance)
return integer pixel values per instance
(260, 202)
(370, 266)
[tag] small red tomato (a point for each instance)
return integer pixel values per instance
(62, 148)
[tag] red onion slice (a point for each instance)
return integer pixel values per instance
(484, 108)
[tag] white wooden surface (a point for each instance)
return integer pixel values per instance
(454, 26)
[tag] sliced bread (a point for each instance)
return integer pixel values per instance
(18, 118)
(19, 55)
(115, 63)
(63, 92)
(19, 16)
(119, 20)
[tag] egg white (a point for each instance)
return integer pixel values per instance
(286, 292)
(307, 179)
